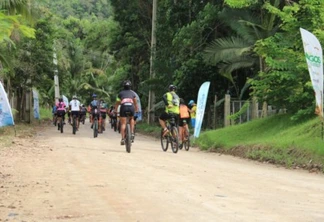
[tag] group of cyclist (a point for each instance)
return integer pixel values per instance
(127, 106)
(175, 106)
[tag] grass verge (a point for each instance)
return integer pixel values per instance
(276, 140)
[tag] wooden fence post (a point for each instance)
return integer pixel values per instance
(227, 110)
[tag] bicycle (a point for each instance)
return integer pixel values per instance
(74, 124)
(82, 118)
(95, 124)
(114, 123)
(185, 137)
(59, 120)
(172, 136)
(128, 133)
(100, 124)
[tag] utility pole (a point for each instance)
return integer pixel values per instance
(151, 99)
(56, 79)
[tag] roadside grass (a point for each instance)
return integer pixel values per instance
(276, 140)
(9, 133)
(21, 130)
(147, 129)
(45, 114)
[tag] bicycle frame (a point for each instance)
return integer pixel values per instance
(172, 137)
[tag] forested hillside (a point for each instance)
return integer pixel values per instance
(245, 48)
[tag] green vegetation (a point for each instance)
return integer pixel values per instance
(276, 139)
(45, 113)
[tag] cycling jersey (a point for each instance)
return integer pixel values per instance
(94, 104)
(193, 114)
(75, 105)
(172, 101)
(184, 111)
(60, 106)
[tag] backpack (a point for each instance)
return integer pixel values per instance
(61, 105)
(175, 99)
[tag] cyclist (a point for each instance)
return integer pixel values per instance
(193, 110)
(184, 120)
(60, 109)
(112, 116)
(128, 103)
(103, 112)
(171, 101)
(83, 113)
(75, 108)
(94, 105)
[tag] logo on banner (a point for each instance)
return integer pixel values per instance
(314, 60)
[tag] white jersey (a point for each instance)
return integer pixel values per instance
(75, 105)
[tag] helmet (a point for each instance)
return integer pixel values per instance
(60, 100)
(94, 95)
(191, 102)
(74, 97)
(127, 83)
(172, 87)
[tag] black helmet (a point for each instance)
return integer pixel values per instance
(172, 87)
(60, 100)
(127, 83)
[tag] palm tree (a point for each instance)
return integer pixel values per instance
(236, 51)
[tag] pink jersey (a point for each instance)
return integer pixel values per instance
(60, 106)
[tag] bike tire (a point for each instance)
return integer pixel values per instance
(61, 125)
(115, 126)
(164, 142)
(74, 126)
(174, 139)
(95, 128)
(187, 142)
(128, 138)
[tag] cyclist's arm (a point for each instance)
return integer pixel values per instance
(135, 104)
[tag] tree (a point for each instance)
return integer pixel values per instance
(286, 83)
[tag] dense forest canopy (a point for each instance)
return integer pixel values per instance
(245, 48)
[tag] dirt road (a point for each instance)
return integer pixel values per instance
(65, 177)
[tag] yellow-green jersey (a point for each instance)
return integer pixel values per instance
(172, 102)
(193, 113)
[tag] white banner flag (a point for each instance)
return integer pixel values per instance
(36, 104)
(6, 118)
(201, 105)
(314, 59)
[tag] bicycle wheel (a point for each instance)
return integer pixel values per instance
(128, 139)
(58, 124)
(61, 124)
(74, 125)
(164, 141)
(114, 125)
(186, 143)
(175, 139)
(95, 128)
